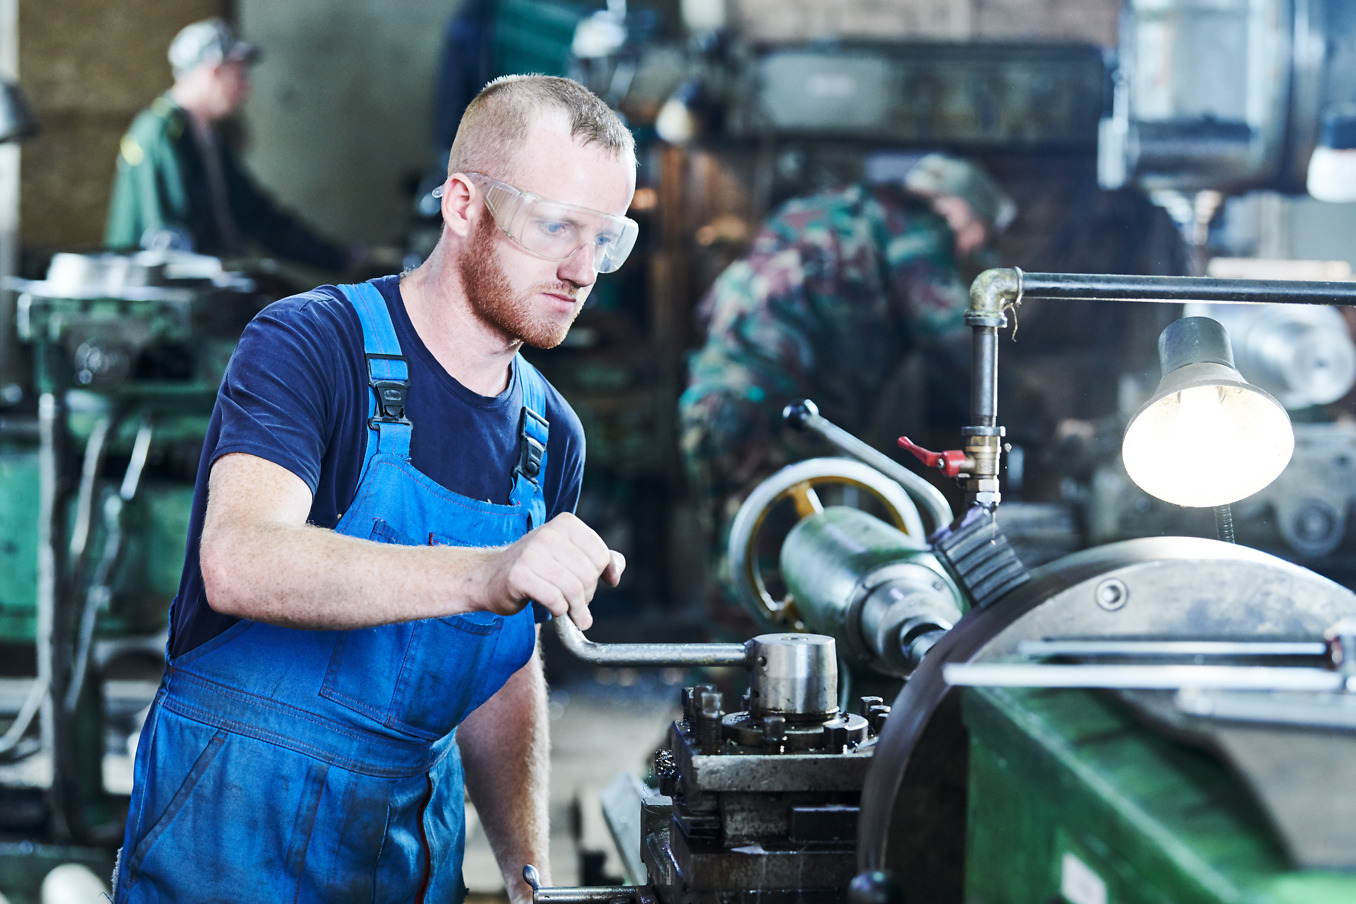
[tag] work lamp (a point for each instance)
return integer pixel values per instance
(1207, 437)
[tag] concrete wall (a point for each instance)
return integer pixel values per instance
(341, 114)
(87, 67)
(338, 121)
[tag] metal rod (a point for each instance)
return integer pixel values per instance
(1146, 648)
(1318, 711)
(1143, 677)
(621, 894)
(49, 533)
(649, 654)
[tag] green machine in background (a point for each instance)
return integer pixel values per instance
(97, 463)
(150, 527)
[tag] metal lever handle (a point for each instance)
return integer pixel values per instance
(804, 415)
(621, 894)
(952, 462)
(643, 654)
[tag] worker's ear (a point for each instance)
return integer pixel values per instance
(459, 203)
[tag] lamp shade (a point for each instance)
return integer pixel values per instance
(1207, 437)
(16, 117)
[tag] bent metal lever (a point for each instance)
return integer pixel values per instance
(620, 894)
(804, 415)
(645, 654)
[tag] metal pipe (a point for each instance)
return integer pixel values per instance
(984, 381)
(994, 290)
(650, 654)
(46, 632)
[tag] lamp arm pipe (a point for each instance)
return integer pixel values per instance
(649, 654)
(984, 379)
(995, 290)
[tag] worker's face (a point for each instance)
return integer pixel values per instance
(971, 232)
(230, 81)
(524, 296)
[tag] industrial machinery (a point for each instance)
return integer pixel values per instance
(97, 456)
(763, 798)
(1225, 97)
(1210, 763)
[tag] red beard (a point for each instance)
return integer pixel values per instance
(492, 298)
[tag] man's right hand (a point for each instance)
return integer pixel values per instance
(558, 565)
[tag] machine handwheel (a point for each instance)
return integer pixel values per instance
(802, 488)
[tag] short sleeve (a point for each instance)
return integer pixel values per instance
(283, 394)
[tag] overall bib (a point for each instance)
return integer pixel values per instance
(321, 766)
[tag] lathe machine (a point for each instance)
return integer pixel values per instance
(1156, 719)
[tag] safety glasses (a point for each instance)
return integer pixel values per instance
(555, 230)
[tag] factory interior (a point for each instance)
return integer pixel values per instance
(1024, 668)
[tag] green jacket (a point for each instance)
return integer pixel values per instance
(162, 185)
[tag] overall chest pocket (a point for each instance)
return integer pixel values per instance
(423, 677)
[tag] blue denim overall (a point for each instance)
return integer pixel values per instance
(321, 765)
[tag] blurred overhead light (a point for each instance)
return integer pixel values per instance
(680, 117)
(1332, 168)
(1207, 437)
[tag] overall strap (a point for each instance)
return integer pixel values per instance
(388, 374)
(533, 429)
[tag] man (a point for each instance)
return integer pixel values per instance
(178, 182)
(836, 289)
(385, 485)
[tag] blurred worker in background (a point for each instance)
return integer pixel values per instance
(384, 509)
(835, 291)
(179, 183)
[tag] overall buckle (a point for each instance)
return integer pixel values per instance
(531, 451)
(391, 395)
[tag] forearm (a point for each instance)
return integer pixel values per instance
(505, 747)
(261, 560)
(301, 576)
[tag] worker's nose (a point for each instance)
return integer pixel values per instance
(579, 268)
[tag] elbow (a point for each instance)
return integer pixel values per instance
(220, 580)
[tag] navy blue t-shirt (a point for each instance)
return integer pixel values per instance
(295, 393)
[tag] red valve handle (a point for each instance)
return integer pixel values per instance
(951, 462)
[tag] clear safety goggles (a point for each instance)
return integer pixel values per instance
(555, 230)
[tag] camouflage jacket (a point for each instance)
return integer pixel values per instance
(834, 291)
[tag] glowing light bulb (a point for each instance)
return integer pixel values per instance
(1208, 445)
